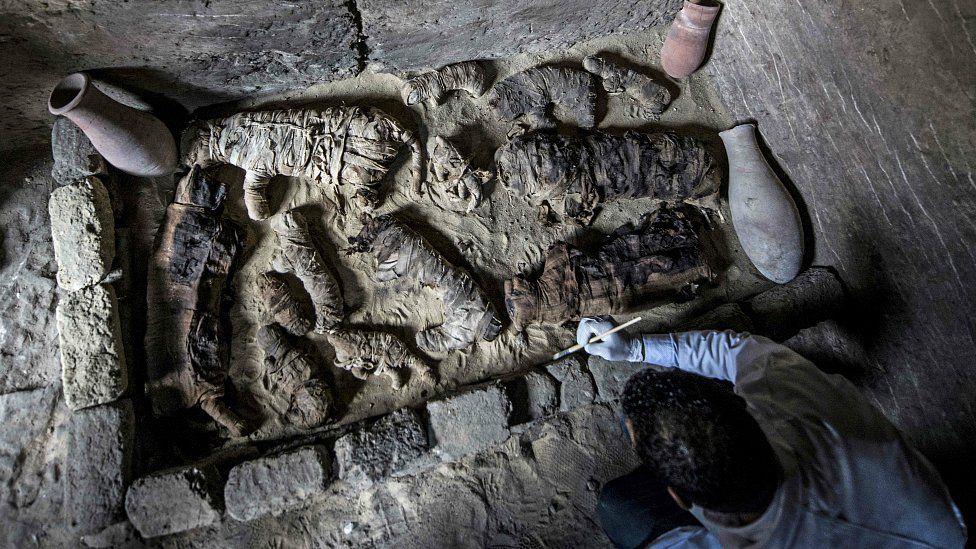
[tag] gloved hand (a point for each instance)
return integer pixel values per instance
(616, 347)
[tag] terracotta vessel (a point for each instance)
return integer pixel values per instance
(764, 216)
(133, 141)
(684, 48)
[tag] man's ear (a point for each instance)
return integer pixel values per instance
(678, 499)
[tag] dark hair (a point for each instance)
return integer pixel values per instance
(697, 435)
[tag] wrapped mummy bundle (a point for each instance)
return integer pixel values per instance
(615, 79)
(432, 86)
(400, 252)
(578, 173)
(453, 172)
(366, 353)
(288, 310)
(291, 371)
(340, 145)
(297, 254)
(187, 332)
(661, 257)
(530, 95)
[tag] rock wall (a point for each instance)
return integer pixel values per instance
(195, 52)
(188, 53)
(420, 34)
(870, 110)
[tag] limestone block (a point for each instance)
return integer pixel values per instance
(469, 422)
(98, 465)
(610, 377)
(576, 386)
(120, 534)
(381, 449)
(833, 348)
(814, 295)
(83, 232)
(728, 316)
(534, 395)
(274, 484)
(29, 333)
(92, 358)
(25, 439)
(417, 34)
(75, 157)
(174, 500)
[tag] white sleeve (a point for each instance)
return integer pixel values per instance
(712, 354)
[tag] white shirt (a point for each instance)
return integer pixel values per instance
(850, 479)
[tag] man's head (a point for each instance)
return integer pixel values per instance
(697, 435)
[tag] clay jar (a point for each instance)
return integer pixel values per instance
(684, 48)
(764, 216)
(133, 141)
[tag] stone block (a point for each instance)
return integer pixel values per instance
(92, 358)
(534, 395)
(469, 422)
(576, 387)
(610, 377)
(415, 34)
(175, 500)
(379, 450)
(274, 484)
(816, 294)
(26, 436)
(728, 316)
(98, 465)
(120, 534)
(83, 232)
(75, 158)
(833, 348)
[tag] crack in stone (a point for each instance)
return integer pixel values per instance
(361, 46)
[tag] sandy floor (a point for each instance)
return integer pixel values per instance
(502, 237)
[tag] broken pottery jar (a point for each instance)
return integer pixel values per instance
(187, 329)
(133, 141)
(764, 215)
(432, 86)
(400, 252)
(369, 353)
(576, 174)
(662, 258)
(341, 145)
(684, 48)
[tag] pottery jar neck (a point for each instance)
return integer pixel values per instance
(698, 16)
(85, 106)
(740, 139)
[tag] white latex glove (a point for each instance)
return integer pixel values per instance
(616, 347)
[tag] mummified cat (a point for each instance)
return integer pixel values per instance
(341, 145)
(369, 353)
(400, 252)
(663, 256)
(578, 173)
(187, 326)
(292, 372)
(432, 86)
